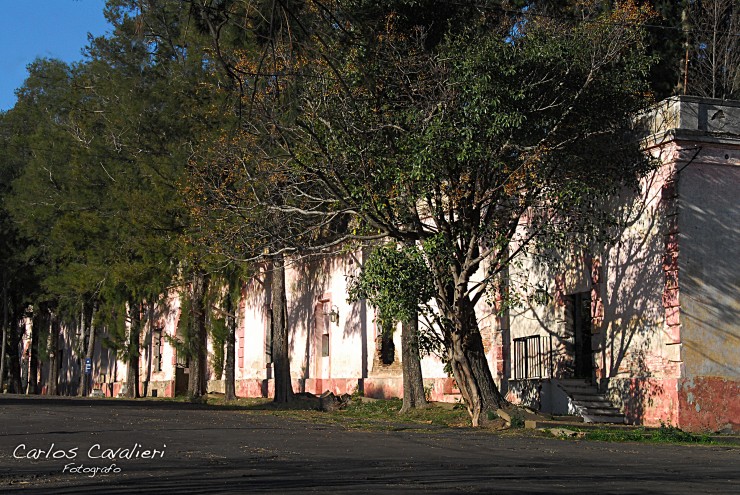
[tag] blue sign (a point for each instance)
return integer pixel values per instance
(88, 365)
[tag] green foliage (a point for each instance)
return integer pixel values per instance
(185, 328)
(113, 317)
(396, 281)
(91, 158)
(218, 333)
(388, 411)
(517, 419)
(664, 434)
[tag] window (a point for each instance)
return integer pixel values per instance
(157, 344)
(386, 347)
(268, 336)
(530, 360)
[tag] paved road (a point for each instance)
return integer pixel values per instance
(200, 450)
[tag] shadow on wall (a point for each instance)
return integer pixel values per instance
(630, 342)
(709, 225)
(710, 283)
(626, 284)
(310, 282)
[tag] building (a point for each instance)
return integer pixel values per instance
(649, 325)
(653, 321)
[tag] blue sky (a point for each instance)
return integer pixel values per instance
(43, 28)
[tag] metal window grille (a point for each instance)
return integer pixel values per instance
(157, 344)
(531, 360)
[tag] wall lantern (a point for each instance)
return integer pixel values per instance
(542, 297)
(334, 314)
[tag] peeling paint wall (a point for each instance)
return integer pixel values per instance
(709, 241)
(666, 296)
(709, 403)
(709, 280)
(639, 355)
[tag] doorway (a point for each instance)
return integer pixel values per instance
(182, 373)
(322, 340)
(578, 320)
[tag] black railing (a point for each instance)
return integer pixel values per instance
(531, 358)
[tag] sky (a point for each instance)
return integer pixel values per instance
(43, 28)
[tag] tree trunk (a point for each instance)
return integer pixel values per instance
(197, 386)
(683, 83)
(231, 309)
(14, 362)
(54, 358)
(470, 366)
(148, 347)
(82, 382)
(132, 367)
(5, 336)
(413, 382)
(39, 319)
(280, 352)
(90, 351)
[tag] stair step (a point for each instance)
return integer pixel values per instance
(589, 403)
(452, 398)
(589, 397)
(570, 381)
(568, 419)
(596, 418)
(593, 403)
(578, 388)
(606, 411)
(597, 409)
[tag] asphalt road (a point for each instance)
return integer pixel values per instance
(179, 448)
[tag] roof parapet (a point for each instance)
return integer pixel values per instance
(690, 118)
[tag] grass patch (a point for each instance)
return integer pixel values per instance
(359, 413)
(389, 411)
(664, 434)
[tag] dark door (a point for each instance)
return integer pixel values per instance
(182, 374)
(579, 320)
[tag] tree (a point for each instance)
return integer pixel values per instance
(197, 384)
(397, 282)
(229, 176)
(231, 223)
(107, 145)
(230, 284)
(714, 64)
(32, 139)
(505, 131)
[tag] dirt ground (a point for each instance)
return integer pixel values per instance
(85, 446)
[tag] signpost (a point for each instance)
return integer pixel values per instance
(88, 372)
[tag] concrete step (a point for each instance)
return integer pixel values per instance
(584, 389)
(589, 397)
(452, 398)
(588, 402)
(598, 408)
(604, 418)
(567, 419)
(574, 383)
(593, 403)
(602, 411)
